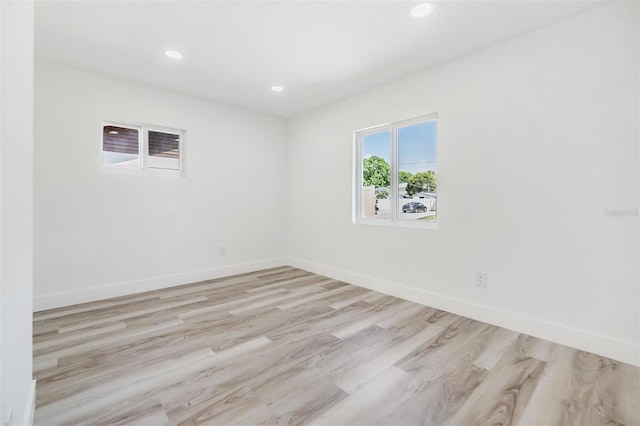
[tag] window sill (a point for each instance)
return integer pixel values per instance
(115, 170)
(413, 224)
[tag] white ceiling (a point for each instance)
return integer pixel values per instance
(320, 51)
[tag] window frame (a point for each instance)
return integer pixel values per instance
(358, 137)
(143, 149)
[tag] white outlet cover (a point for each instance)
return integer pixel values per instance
(481, 279)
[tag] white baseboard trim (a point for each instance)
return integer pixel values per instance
(31, 405)
(620, 350)
(58, 300)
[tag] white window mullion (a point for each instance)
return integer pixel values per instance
(144, 149)
(358, 177)
(393, 202)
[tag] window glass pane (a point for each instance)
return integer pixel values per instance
(120, 146)
(417, 172)
(164, 150)
(376, 175)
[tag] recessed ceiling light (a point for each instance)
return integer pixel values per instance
(173, 54)
(113, 132)
(276, 88)
(421, 10)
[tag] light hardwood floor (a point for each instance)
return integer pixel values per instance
(284, 346)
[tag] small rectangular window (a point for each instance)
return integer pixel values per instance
(396, 173)
(121, 146)
(142, 147)
(164, 150)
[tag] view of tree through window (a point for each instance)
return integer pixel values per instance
(376, 174)
(417, 168)
(398, 172)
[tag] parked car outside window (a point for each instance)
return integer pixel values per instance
(414, 207)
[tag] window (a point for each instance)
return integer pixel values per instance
(142, 147)
(396, 173)
(120, 146)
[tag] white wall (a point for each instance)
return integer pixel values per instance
(102, 234)
(538, 136)
(16, 212)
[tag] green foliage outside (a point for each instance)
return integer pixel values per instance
(376, 171)
(423, 181)
(382, 194)
(403, 177)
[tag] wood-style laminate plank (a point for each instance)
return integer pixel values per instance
(364, 373)
(365, 404)
(121, 316)
(503, 395)
(285, 346)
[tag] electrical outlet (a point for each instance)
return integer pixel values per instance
(222, 250)
(481, 279)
